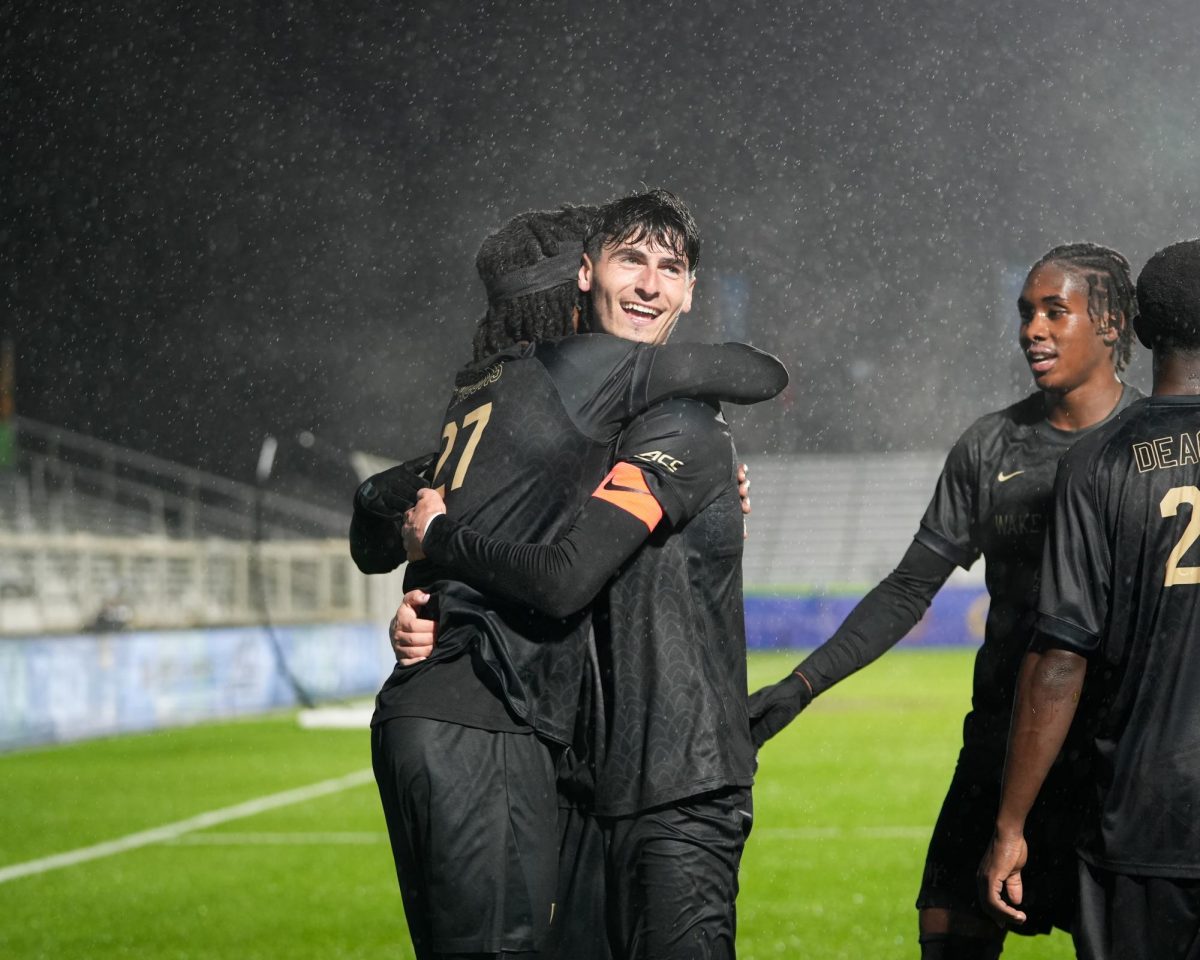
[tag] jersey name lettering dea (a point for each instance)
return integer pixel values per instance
(1116, 514)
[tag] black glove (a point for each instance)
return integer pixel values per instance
(390, 493)
(773, 708)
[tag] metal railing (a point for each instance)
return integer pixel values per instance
(59, 465)
(68, 583)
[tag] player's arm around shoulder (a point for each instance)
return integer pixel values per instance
(684, 450)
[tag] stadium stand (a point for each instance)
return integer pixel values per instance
(836, 522)
(76, 483)
(94, 537)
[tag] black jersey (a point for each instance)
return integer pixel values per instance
(527, 435)
(670, 628)
(1121, 584)
(994, 498)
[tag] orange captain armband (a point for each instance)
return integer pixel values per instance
(625, 487)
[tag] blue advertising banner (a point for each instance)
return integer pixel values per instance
(67, 688)
(955, 618)
(56, 689)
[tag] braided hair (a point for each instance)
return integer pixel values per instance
(1111, 294)
(544, 314)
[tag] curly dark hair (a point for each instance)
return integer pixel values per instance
(1168, 294)
(546, 314)
(1111, 295)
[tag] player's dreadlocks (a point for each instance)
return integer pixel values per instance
(1168, 293)
(529, 267)
(1111, 294)
(656, 215)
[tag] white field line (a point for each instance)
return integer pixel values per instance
(171, 831)
(278, 839)
(800, 834)
(838, 833)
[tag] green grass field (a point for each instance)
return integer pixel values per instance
(843, 806)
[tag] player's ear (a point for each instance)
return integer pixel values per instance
(1143, 334)
(687, 297)
(585, 274)
(1118, 321)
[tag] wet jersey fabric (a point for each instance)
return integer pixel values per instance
(994, 498)
(670, 629)
(1121, 585)
(527, 436)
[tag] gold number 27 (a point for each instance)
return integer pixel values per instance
(1168, 506)
(478, 419)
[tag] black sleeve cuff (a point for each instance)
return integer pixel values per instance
(437, 536)
(1055, 634)
(944, 548)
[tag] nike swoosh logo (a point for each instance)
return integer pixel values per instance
(1002, 476)
(610, 485)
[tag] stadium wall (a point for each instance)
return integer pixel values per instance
(55, 689)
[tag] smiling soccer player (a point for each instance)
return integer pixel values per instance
(993, 498)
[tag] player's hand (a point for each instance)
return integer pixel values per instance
(390, 493)
(743, 480)
(429, 504)
(412, 638)
(999, 878)
(773, 708)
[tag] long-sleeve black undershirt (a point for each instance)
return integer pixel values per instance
(880, 620)
(558, 578)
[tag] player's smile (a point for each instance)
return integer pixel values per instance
(639, 314)
(638, 289)
(1041, 359)
(1063, 344)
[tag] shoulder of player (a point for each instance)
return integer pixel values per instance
(696, 418)
(1022, 413)
(684, 432)
(584, 348)
(1083, 459)
(973, 444)
(475, 370)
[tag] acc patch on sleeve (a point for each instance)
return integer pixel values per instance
(625, 487)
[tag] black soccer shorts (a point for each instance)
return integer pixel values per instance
(1123, 917)
(472, 817)
(964, 829)
(673, 877)
(578, 931)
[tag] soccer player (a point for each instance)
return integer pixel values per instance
(993, 498)
(1120, 605)
(676, 764)
(464, 743)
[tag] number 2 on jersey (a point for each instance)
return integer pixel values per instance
(478, 420)
(1168, 506)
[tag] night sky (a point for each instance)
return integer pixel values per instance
(220, 222)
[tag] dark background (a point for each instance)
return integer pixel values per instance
(223, 220)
